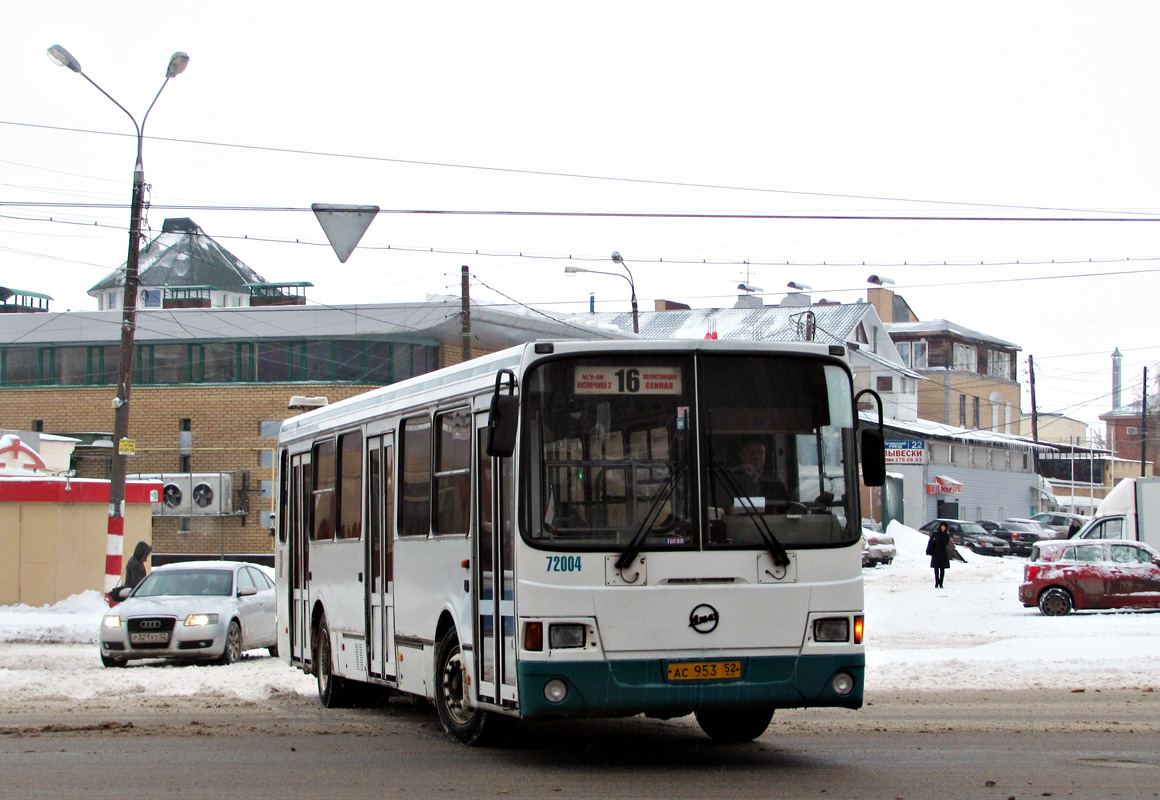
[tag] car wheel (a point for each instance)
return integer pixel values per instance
(887, 560)
(273, 651)
(734, 725)
(232, 652)
(333, 691)
(463, 722)
(112, 662)
(1055, 602)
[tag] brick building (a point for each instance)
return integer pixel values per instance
(211, 386)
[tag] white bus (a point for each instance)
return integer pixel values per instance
(584, 529)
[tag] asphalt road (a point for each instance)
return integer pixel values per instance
(1018, 744)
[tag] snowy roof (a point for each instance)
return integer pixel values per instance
(431, 322)
(832, 323)
(926, 428)
(936, 326)
(182, 255)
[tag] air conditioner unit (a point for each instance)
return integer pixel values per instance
(175, 500)
(211, 494)
(1133, 430)
(183, 494)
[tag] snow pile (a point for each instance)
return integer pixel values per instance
(74, 619)
(973, 634)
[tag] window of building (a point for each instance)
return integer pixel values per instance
(269, 428)
(999, 364)
(966, 357)
(975, 412)
(885, 383)
(913, 353)
(962, 411)
(21, 366)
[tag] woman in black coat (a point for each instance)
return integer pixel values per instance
(938, 549)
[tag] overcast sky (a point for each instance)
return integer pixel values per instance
(889, 109)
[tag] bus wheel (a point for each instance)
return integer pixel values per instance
(734, 725)
(333, 691)
(463, 722)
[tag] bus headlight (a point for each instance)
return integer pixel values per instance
(843, 683)
(555, 690)
(832, 629)
(566, 635)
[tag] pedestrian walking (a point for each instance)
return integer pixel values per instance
(938, 549)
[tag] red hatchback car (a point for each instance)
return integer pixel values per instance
(1061, 575)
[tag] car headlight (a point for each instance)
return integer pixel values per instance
(111, 621)
(200, 619)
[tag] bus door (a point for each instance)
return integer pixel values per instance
(493, 597)
(380, 556)
(301, 481)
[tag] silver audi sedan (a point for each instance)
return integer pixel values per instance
(209, 611)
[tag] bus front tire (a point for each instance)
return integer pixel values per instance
(463, 722)
(733, 726)
(333, 691)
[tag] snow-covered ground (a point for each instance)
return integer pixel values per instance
(973, 634)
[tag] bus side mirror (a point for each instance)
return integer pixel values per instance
(873, 457)
(502, 419)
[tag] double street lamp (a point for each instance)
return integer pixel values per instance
(177, 64)
(616, 258)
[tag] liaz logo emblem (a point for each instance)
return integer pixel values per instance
(704, 618)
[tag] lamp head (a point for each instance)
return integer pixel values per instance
(63, 58)
(617, 257)
(571, 270)
(177, 64)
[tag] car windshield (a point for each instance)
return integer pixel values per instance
(972, 528)
(191, 582)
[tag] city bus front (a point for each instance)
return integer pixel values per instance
(690, 538)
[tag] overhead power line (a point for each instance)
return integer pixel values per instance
(570, 175)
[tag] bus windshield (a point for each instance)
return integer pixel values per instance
(675, 452)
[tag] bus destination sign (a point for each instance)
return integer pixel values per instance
(626, 380)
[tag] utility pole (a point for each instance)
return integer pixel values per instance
(1034, 409)
(465, 315)
(1144, 426)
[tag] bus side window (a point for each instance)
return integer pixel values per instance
(415, 491)
(325, 477)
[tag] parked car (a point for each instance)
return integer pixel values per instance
(971, 535)
(1099, 573)
(1059, 522)
(877, 548)
(1025, 533)
(995, 529)
(192, 611)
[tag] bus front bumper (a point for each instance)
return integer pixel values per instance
(629, 687)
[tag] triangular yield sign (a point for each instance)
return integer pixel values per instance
(344, 226)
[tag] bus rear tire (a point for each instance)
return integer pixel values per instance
(733, 726)
(333, 691)
(463, 722)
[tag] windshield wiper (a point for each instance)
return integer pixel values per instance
(646, 525)
(780, 556)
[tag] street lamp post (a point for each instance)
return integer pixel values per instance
(116, 530)
(616, 257)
